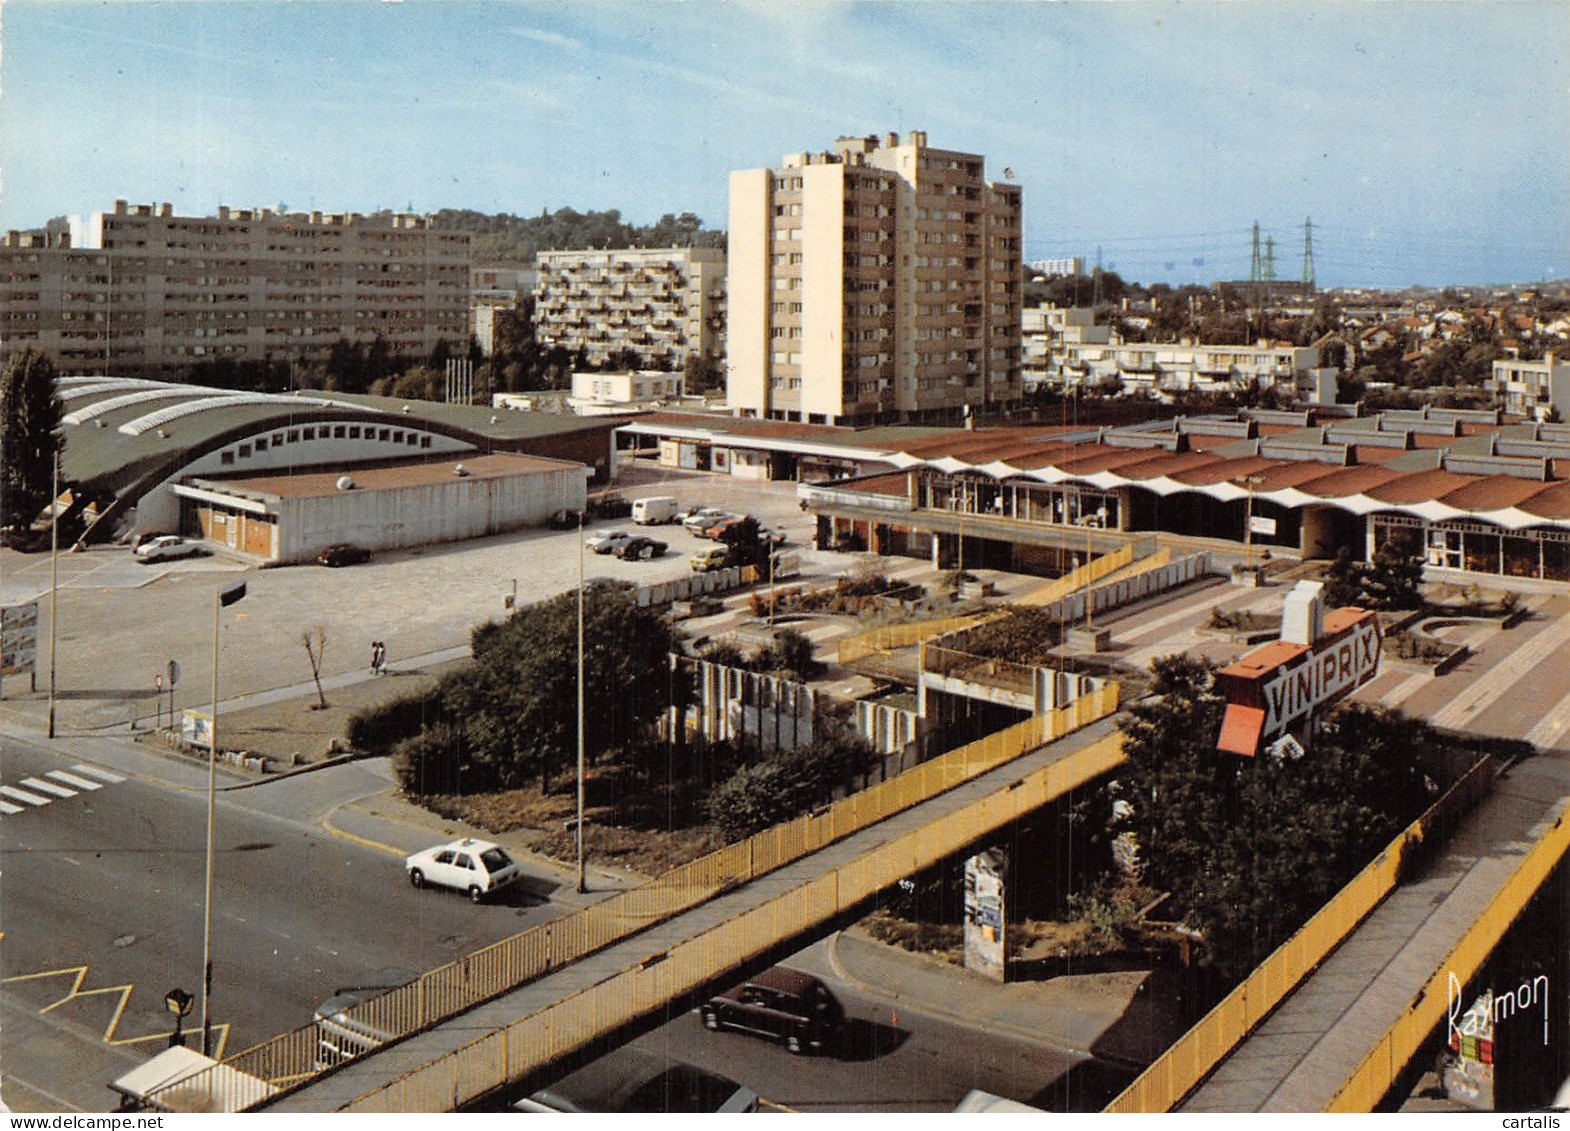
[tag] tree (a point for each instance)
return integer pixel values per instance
(314, 641)
(786, 785)
(519, 701)
(1344, 582)
(745, 541)
(1395, 576)
(1251, 847)
(30, 437)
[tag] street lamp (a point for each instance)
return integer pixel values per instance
(178, 1002)
(226, 596)
(582, 885)
(1249, 482)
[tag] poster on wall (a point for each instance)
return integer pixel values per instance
(984, 913)
(18, 638)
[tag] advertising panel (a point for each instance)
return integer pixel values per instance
(18, 638)
(984, 913)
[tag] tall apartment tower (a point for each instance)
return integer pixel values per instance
(877, 283)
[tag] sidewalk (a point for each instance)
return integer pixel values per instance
(1112, 1016)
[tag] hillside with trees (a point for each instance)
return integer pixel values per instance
(506, 240)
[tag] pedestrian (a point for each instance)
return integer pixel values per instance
(376, 656)
(381, 658)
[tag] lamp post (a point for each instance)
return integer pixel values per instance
(178, 1002)
(54, 583)
(1249, 482)
(582, 885)
(226, 596)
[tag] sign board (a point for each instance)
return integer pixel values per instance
(1468, 1074)
(196, 728)
(1329, 673)
(1259, 524)
(174, 672)
(18, 638)
(984, 913)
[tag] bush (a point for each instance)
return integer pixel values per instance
(790, 654)
(436, 761)
(785, 786)
(376, 730)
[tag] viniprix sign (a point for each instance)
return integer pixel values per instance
(1326, 674)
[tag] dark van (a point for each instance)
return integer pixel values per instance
(787, 1005)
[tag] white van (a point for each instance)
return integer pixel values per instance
(654, 510)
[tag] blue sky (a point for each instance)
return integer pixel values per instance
(1427, 140)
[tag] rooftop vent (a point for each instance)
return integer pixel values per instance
(345, 483)
(460, 471)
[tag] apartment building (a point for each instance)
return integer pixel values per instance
(1536, 390)
(140, 290)
(1163, 368)
(1046, 330)
(878, 282)
(662, 304)
(493, 290)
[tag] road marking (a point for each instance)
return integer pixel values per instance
(22, 795)
(7, 807)
(48, 787)
(101, 774)
(72, 779)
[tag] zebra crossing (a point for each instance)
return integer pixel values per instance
(54, 785)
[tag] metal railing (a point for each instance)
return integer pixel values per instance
(503, 966)
(533, 1041)
(892, 636)
(1378, 1071)
(1192, 1057)
(987, 670)
(1087, 574)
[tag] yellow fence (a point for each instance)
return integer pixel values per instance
(534, 1041)
(505, 965)
(1373, 1078)
(1087, 574)
(893, 636)
(1175, 1073)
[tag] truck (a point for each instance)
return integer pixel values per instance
(654, 510)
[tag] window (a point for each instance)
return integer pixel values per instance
(384, 435)
(338, 432)
(245, 450)
(261, 445)
(309, 433)
(294, 435)
(226, 457)
(354, 432)
(425, 441)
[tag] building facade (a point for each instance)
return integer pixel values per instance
(879, 282)
(1071, 359)
(1536, 390)
(140, 291)
(493, 290)
(662, 304)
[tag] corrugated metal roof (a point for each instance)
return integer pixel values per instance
(386, 476)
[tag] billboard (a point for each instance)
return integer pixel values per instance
(984, 913)
(18, 638)
(196, 728)
(1330, 671)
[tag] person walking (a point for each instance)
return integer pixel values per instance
(376, 657)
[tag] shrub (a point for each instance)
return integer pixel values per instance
(785, 785)
(377, 729)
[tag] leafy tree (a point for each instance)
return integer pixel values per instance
(1344, 582)
(519, 701)
(745, 541)
(786, 785)
(30, 437)
(1395, 576)
(1251, 847)
(790, 655)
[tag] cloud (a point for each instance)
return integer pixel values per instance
(549, 38)
(528, 93)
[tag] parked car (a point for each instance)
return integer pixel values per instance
(632, 1080)
(699, 521)
(343, 554)
(715, 557)
(474, 866)
(687, 512)
(604, 541)
(793, 1008)
(166, 547)
(640, 549)
(718, 529)
(774, 535)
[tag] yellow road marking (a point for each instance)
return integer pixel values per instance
(124, 991)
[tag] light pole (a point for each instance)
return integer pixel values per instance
(54, 583)
(1249, 482)
(178, 1002)
(226, 596)
(582, 885)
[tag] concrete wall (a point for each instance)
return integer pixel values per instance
(747, 295)
(447, 511)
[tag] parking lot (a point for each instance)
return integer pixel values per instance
(121, 621)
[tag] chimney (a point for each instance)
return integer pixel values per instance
(1303, 614)
(223, 212)
(166, 210)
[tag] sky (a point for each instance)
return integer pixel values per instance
(1428, 141)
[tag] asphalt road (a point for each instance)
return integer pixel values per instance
(101, 897)
(893, 1059)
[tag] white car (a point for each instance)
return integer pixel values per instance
(474, 866)
(166, 547)
(604, 541)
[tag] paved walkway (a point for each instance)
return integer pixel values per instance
(1304, 1051)
(334, 1091)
